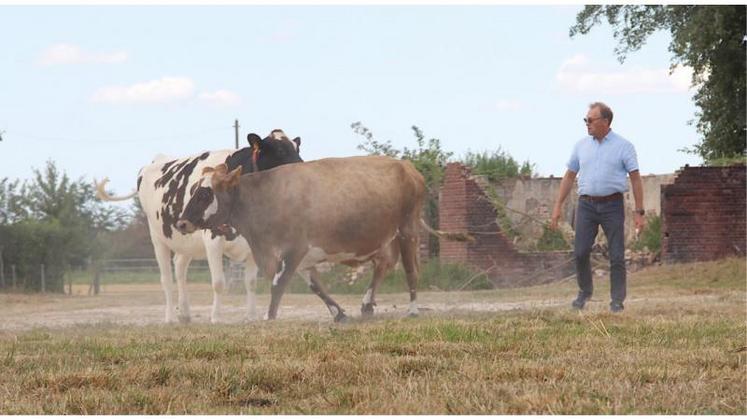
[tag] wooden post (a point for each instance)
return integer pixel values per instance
(236, 127)
(43, 280)
(2, 270)
(96, 278)
(13, 272)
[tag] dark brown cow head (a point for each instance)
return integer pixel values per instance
(211, 202)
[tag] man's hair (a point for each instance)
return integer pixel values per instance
(603, 109)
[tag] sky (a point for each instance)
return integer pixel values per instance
(101, 90)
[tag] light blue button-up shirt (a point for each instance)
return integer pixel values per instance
(603, 168)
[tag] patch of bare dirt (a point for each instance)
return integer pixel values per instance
(143, 305)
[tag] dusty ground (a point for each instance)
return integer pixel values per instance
(143, 304)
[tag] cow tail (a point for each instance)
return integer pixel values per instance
(452, 236)
(102, 195)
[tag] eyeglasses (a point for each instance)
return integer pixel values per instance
(591, 120)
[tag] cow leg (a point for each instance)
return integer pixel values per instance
(383, 263)
(181, 264)
(312, 279)
(250, 284)
(163, 257)
(408, 242)
(283, 273)
(214, 251)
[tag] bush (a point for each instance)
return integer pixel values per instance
(650, 237)
(551, 240)
(497, 165)
(29, 244)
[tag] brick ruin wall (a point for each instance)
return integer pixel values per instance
(703, 217)
(463, 206)
(703, 214)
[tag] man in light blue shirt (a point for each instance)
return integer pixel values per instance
(603, 160)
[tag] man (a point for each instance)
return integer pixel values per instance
(602, 160)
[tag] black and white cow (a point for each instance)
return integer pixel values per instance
(166, 185)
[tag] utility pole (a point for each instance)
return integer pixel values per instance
(236, 126)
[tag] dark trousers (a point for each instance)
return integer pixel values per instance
(611, 216)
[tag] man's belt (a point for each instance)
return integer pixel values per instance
(601, 198)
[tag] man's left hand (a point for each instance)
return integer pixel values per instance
(640, 222)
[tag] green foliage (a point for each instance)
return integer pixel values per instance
(551, 240)
(710, 40)
(729, 161)
(12, 207)
(53, 221)
(371, 145)
(650, 237)
(28, 245)
(497, 165)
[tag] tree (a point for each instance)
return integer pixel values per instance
(11, 202)
(711, 40)
(53, 221)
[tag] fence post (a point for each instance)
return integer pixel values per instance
(13, 271)
(2, 270)
(96, 281)
(43, 280)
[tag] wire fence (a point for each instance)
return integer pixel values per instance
(108, 271)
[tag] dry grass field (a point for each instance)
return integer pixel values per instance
(680, 347)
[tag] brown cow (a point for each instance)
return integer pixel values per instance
(340, 210)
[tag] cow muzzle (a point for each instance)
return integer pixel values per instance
(185, 226)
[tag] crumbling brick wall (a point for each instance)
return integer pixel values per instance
(703, 214)
(464, 206)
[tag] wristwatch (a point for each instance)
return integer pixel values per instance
(640, 211)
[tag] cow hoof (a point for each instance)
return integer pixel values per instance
(367, 310)
(342, 318)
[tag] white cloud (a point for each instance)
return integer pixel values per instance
(576, 74)
(221, 98)
(61, 54)
(166, 89)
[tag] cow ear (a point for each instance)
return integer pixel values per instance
(221, 169)
(253, 140)
(297, 140)
(218, 182)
